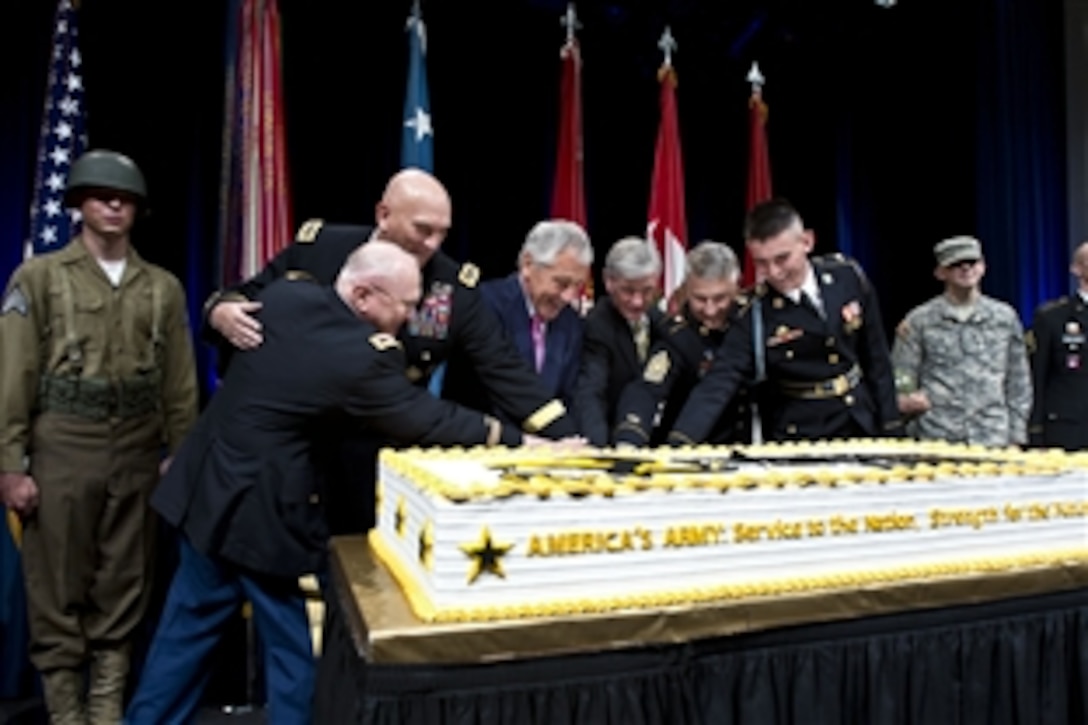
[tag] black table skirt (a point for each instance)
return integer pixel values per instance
(1018, 661)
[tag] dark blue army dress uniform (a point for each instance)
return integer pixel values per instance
(1059, 348)
(245, 490)
(451, 320)
(828, 376)
(676, 363)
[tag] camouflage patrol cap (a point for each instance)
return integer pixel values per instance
(957, 249)
(106, 170)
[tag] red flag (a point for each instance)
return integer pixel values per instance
(668, 225)
(569, 191)
(256, 203)
(759, 167)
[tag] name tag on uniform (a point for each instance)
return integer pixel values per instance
(432, 317)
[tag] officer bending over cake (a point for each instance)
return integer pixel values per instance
(813, 331)
(679, 360)
(451, 319)
(245, 491)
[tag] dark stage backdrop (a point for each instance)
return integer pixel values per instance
(889, 128)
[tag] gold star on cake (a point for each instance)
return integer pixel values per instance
(486, 556)
(426, 547)
(400, 518)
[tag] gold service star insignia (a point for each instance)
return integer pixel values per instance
(486, 556)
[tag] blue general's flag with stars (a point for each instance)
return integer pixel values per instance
(417, 139)
(63, 135)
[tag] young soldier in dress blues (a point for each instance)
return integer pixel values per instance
(97, 378)
(815, 325)
(1058, 345)
(679, 360)
(246, 492)
(618, 334)
(960, 362)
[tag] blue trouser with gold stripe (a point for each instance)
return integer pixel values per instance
(203, 596)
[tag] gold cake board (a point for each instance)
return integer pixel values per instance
(386, 631)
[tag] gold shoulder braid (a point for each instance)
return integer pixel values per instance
(383, 341)
(469, 275)
(307, 233)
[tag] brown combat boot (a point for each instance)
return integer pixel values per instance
(63, 690)
(109, 669)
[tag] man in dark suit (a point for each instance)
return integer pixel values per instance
(1057, 343)
(618, 335)
(814, 327)
(533, 306)
(649, 404)
(245, 490)
(450, 321)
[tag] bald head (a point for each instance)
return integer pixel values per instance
(415, 213)
(380, 282)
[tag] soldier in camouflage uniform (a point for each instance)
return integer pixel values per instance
(960, 361)
(96, 378)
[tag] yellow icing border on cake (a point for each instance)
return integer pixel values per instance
(986, 462)
(427, 612)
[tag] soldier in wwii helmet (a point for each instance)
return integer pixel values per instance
(97, 389)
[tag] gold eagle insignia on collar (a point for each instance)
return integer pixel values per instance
(469, 275)
(307, 233)
(383, 341)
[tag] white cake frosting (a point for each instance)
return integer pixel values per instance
(486, 533)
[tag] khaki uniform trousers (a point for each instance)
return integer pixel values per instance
(88, 549)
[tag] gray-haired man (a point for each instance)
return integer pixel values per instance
(534, 308)
(619, 332)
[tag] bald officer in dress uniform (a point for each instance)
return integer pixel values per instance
(245, 491)
(1058, 346)
(97, 380)
(451, 319)
(816, 325)
(679, 360)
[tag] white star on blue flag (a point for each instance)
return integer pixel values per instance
(417, 138)
(62, 139)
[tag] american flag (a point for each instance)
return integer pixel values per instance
(63, 136)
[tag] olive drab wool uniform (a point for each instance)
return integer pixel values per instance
(1058, 343)
(674, 366)
(95, 382)
(828, 375)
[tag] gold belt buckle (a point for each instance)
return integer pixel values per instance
(840, 386)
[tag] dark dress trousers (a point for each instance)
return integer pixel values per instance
(609, 362)
(827, 377)
(1059, 417)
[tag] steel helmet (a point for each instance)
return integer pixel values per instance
(107, 170)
